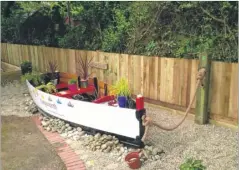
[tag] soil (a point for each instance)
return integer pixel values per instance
(25, 148)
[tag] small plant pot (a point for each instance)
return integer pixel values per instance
(132, 159)
(84, 83)
(26, 69)
(72, 87)
(122, 101)
(54, 81)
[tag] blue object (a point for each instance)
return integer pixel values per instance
(122, 101)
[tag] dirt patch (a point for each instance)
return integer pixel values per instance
(25, 148)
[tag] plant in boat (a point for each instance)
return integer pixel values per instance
(52, 67)
(48, 88)
(122, 91)
(191, 164)
(72, 84)
(72, 81)
(84, 64)
(34, 78)
(26, 67)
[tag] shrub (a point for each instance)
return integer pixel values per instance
(191, 164)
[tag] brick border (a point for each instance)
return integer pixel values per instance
(68, 156)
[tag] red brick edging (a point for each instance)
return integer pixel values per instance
(68, 156)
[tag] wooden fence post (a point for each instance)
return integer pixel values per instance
(202, 97)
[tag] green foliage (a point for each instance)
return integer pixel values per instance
(72, 81)
(192, 164)
(34, 78)
(121, 88)
(165, 28)
(48, 88)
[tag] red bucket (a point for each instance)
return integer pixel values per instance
(133, 160)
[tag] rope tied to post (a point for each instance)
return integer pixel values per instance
(147, 121)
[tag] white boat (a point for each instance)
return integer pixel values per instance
(124, 123)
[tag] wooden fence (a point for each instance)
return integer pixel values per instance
(166, 81)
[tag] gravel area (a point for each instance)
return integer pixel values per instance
(13, 99)
(215, 146)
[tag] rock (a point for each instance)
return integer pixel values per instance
(97, 136)
(81, 133)
(53, 129)
(44, 123)
(155, 151)
(25, 94)
(79, 129)
(108, 149)
(69, 128)
(145, 154)
(119, 158)
(26, 108)
(157, 157)
(64, 135)
(103, 146)
(109, 137)
(122, 150)
(150, 148)
(48, 129)
(76, 138)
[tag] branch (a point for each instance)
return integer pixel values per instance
(213, 17)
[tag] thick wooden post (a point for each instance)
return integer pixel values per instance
(202, 97)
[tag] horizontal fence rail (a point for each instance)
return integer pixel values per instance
(170, 82)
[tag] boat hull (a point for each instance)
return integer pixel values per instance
(122, 122)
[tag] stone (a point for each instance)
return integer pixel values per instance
(48, 129)
(155, 151)
(26, 108)
(76, 138)
(103, 146)
(64, 135)
(108, 149)
(97, 136)
(157, 157)
(81, 133)
(67, 125)
(44, 123)
(119, 158)
(122, 150)
(53, 129)
(69, 128)
(145, 154)
(79, 129)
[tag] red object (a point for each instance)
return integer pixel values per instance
(61, 86)
(139, 102)
(69, 94)
(133, 160)
(72, 87)
(104, 99)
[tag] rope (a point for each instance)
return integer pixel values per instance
(147, 121)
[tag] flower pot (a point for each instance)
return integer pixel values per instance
(133, 160)
(54, 81)
(72, 87)
(84, 83)
(122, 100)
(26, 68)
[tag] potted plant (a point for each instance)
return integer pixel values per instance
(34, 78)
(83, 70)
(54, 74)
(26, 67)
(72, 86)
(48, 88)
(121, 90)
